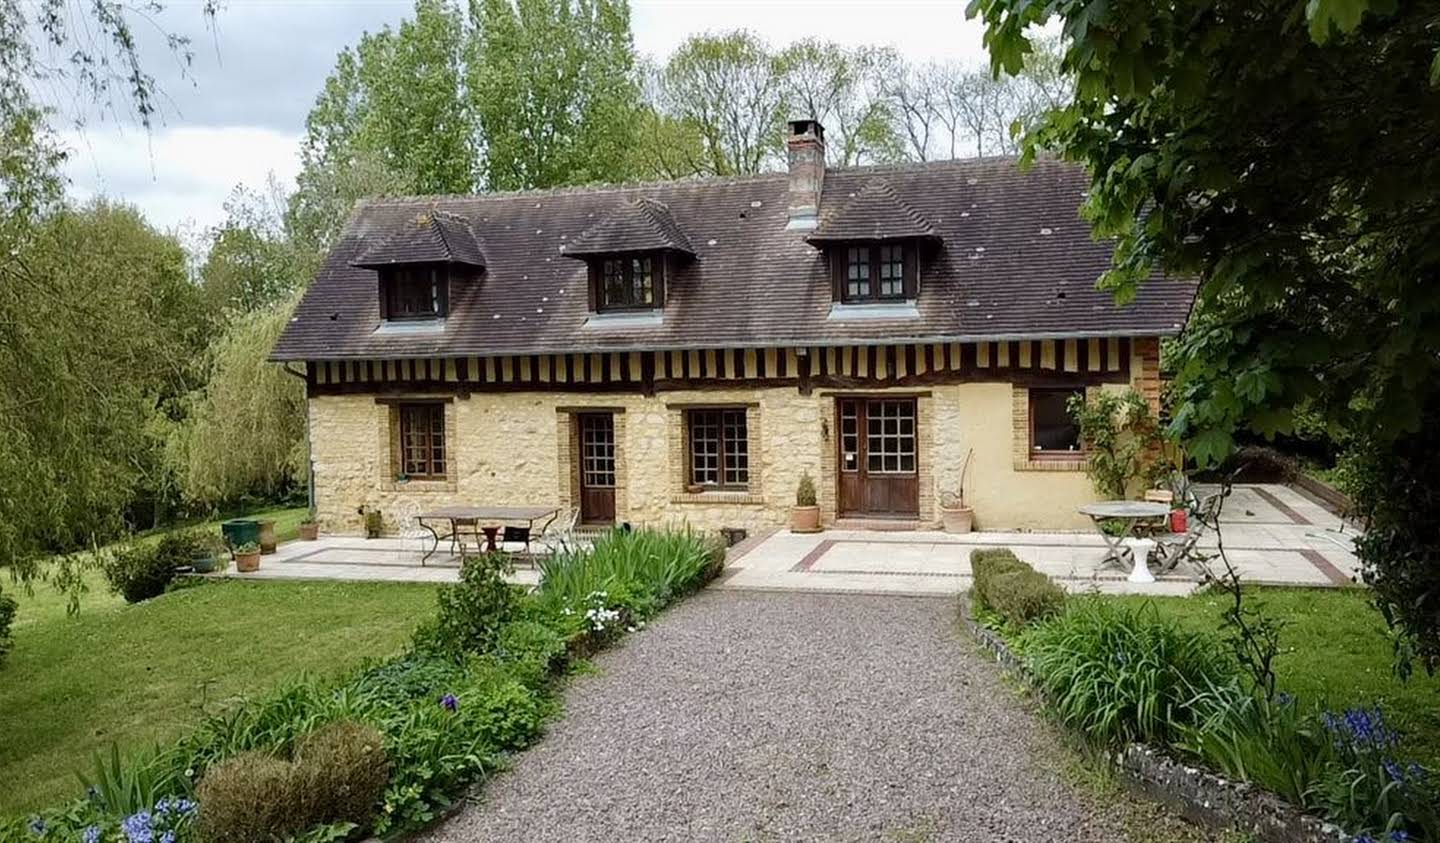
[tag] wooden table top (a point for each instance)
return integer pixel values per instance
(490, 513)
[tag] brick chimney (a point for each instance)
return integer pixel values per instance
(805, 149)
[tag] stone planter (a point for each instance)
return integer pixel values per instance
(961, 519)
(247, 563)
(267, 536)
(805, 519)
(309, 531)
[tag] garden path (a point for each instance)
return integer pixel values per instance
(770, 716)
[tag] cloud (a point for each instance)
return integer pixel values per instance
(178, 175)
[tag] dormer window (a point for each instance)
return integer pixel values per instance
(410, 293)
(875, 272)
(628, 282)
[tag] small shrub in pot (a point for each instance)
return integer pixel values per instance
(805, 518)
(247, 557)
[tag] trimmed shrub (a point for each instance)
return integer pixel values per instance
(8, 607)
(343, 770)
(1024, 596)
(1117, 673)
(250, 797)
(138, 572)
(988, 562)
(338, 776)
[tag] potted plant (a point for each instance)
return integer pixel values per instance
(374, 524)
(247, 557)
(956, 516)
(805, 517)
(309, 529)
(207, 554)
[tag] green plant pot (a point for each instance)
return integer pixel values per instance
(204, 564)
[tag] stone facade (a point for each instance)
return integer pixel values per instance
(520, 447)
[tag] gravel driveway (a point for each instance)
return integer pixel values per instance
(758, 716)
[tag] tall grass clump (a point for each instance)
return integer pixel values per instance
(1117, 673)
(643, 569)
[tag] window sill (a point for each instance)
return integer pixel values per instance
(412, 326)
(622, 319)
(422, 486)
(841, 312)
(1058, 462)
(717, 496)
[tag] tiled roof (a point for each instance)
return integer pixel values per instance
(644, 225)
(429, 237)
(1015, 262)
(875, 213)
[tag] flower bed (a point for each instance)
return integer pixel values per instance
(1119, 674)
(478, 683)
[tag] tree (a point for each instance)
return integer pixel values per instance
(917, 94)
(251, 263)
(244, 435)
(727, 90)
(553, 89)
(1290, 169)
(392, 117)
(99, 330)
(843, 88)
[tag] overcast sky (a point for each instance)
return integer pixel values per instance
(240, 116)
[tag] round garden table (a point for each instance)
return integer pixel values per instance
(1128, 513)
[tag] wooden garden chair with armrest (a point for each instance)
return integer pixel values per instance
(1173, 548)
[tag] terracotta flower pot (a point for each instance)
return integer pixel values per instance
(247, 563)
(267, 536)
(805, 519)
(309, 532)
(958, 520)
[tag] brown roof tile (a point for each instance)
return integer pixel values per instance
(875, 213)
(644, 225)
(430, 237)
(1016, 261)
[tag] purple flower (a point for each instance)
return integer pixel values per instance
(1393, 770)
(1399, 835)
(136, 828)
(91, 834)
(167, 837)
(38, 827)
(1364, 838)
(1285, 698)
(449, 702)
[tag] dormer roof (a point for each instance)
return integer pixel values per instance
(874, 213)
(644, 225)
(429, 237)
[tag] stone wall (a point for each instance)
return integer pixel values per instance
(518, 447)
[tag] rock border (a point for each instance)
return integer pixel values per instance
(1194, 792)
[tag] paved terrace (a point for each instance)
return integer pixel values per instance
(1272, 533)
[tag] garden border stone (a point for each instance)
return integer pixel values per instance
(1194, 792)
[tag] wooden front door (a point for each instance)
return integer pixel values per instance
(878, 459)
(597, 468)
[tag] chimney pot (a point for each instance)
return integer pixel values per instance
(805, 151)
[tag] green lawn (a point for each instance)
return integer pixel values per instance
(1334, 653)
(144, 673)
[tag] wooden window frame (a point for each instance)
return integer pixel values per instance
(910, 272)
(599, 303)
(403, 419)
(390, 280)
(724, 447)
(1035, 454)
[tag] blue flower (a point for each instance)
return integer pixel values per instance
(1399, 836)
(1364, 838)
(1285, 698)
(449, 702)
(136, 828)
(1393, 770)
(91, 834)
(167, 837)
(38, 827)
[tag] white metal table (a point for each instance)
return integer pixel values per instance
(1128, 513)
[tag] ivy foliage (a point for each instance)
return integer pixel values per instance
(1281, 152)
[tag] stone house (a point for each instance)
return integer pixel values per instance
(684, 352)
